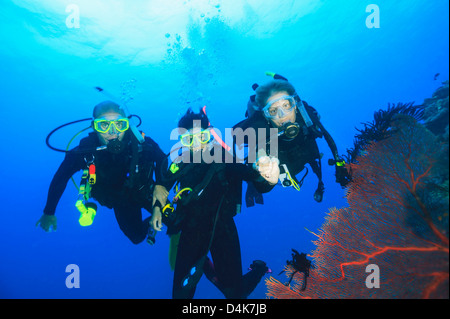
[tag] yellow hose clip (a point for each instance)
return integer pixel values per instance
(167, 210)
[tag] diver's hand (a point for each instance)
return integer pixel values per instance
(342, 176)
(47, 222)
(160, 193)
(268, 167)
(156, 221)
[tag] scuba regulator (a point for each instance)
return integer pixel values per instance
(289, 130)
(114, 146)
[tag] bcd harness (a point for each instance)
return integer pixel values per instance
(88, 209)
(187, 195)
(314, 128)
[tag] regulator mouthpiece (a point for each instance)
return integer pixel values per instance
(289, 130)
(115, 146)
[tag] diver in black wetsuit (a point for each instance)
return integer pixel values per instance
(208, 195)
(277, 105)
(123, 172)
(301, 265)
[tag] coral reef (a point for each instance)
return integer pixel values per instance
(436, 112)
(380, 128)
(397, 217)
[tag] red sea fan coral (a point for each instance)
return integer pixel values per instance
(397, 222)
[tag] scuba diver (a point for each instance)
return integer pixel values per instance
(277, 105)
(117, 172)
(301, 265)
(207, 198)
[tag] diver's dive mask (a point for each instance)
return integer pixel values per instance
(289, 130)
(112, 127)
(202, 136)
(102, 125)
(280, 107)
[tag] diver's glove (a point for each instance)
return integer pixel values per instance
(47, 222)
(342, 175)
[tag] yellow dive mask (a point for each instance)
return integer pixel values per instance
(103, 125)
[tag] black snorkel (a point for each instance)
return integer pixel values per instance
(87, 150)
(115, 146)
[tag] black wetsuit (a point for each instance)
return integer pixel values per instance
(218, 199)
(115, 187)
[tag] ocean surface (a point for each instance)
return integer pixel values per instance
(347, 58)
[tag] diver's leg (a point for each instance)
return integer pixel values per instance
(305, 278)
(192, 246)
(316, 165)
(226, 254)
(210, 273)
(249, 281)
(129, 218)
(253, 277)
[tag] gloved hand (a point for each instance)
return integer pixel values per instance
(342, 176)
(47, 222)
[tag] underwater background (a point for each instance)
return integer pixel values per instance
(161, 57)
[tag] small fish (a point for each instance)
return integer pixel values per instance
(436, 76)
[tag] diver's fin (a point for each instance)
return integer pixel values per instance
(196, 272)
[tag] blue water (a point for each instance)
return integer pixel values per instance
(161, 57)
